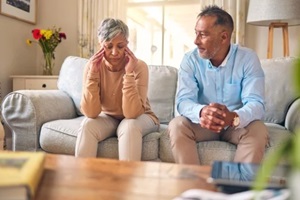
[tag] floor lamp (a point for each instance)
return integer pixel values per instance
(275, 14)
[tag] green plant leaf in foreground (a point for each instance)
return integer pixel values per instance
(297, 76)
(294, 155)
(270, 162)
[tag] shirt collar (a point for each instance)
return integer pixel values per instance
(223, 64)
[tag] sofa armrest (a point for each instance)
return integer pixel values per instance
(292, 120)
(25, 111)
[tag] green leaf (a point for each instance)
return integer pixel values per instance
(295, 154)
(297, 76)
(269, 163)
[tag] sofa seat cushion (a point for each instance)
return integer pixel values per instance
(59, 137)
(278, 134)
(219, 150)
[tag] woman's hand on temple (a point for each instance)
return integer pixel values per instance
(132, 61)
(95, 60)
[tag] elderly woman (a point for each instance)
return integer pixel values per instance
(114, 97)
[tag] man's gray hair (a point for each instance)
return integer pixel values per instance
(109, 28)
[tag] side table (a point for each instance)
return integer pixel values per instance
(34, 82)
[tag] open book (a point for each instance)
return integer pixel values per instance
(20, 173)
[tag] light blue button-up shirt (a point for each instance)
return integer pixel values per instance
(238, 83)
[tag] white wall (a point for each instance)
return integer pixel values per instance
(17, 58)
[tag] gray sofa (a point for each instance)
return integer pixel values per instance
(48, 120)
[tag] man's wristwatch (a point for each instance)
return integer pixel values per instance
(236, 120)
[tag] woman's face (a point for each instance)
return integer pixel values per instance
(114, 50)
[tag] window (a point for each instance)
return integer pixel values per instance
(162, 31)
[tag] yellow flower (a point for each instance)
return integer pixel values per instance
(29, 42)
(47, 33)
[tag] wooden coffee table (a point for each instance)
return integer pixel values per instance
(69, 178)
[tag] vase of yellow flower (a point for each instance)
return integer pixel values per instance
(48, 40)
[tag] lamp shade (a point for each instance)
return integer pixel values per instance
(263, 12)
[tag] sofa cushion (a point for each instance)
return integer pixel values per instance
(70, 79)
(162, 91)
(59, 136)
(279, 90)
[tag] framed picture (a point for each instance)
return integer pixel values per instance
(24, 10)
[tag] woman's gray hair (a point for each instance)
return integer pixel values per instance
(109, 28)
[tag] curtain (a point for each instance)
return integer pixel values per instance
(91, 13)
(237, 9)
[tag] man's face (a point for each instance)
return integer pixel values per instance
(115, 49)
(208, 37)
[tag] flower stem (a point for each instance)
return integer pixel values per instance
(48, 67)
